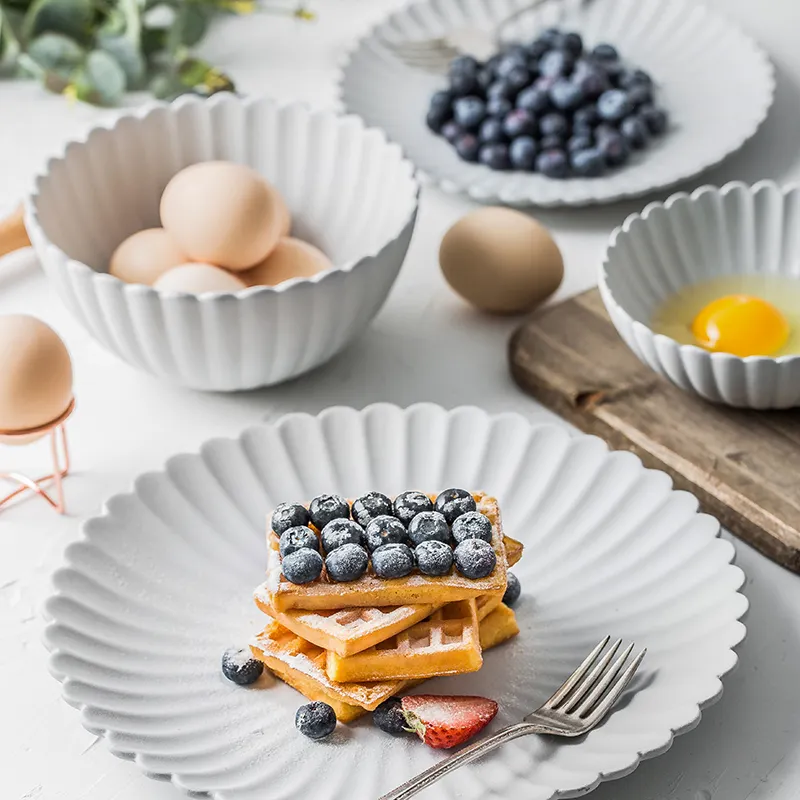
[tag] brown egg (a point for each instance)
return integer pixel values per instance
(501, 260)
(198, 279)
(284, 217)
(291, 258)
(145, 256)
(223, 213)
(35, 375)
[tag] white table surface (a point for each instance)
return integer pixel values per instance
(425, 345)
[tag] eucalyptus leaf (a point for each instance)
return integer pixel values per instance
(167, 86)
(56, 53)
(127, 55)
(104, 76)
(191, 23)
(73, 18)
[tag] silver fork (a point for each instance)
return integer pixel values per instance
(583, 701)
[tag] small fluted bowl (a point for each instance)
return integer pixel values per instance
(350, 192)
(736, 229)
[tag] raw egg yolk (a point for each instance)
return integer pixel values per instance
(741, 325)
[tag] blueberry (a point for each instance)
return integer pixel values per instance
(588, 163)
(655, 119)
(522, 153)
(552, 37)
(500, 88)
(288, 515)
(472, 525)
(441, 100)
(614, 148)
(553, 124)
(640, 95)
(583, 130)
(628, 78)
(436, 118)
(534, 99)
(510, 62)
(315, 720)
(408, 504)
(579, 142)
(605, 52)
(463, 64)
(545, 82)
(475, 558)
(551, 143)
(498, 106)
(327, 507)
(469, 112)
(434, 557)
(537, 48)
(369, 506)
(604, 130)
(388, 716)
(491, 131)
(566, 95)
(518, 78)
(463, 83)
(613, 105)
(634, 131)
(452, 503)
(296, 539)
(585, 115)
(302, 566)
(385, 530)
(239, 666)
(492, 63)
(347, 563)
(519, 122)
(392, 561)
(592, 83)
(467, 147)
(556, 63)
(339, 532)
(513, 590)
(494, 156)
(572, 43)
(451, 130)
(553, 163)
(427, 526)
(484, 79)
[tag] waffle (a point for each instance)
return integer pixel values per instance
(446, 643)
(371, 591)
(302, 665)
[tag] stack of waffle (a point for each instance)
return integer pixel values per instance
(355, 644)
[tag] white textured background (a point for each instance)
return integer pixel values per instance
(424, 346)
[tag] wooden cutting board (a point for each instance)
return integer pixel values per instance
(744, 466)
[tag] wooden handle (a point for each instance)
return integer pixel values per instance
(13, 235)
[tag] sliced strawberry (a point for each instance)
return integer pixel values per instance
(447, 721)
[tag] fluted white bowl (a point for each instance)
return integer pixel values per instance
(161, 584)
(737, 229)
(715, 81)
(349, 190)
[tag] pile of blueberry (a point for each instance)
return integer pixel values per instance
(398, 537)
(550, 107)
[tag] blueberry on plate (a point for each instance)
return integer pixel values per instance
(239, 666)
(441, 99)
(452, 503)
(552, 36)
(605, 52)
(469, 112)
(534, 99)
(451, 130)
(463, 83)
(498, 106)
(434, 558)
(327, 507)
(518, 78)
(566, 95)
(408, 504)
(467, 146)
(385, 530)
(640, 95)
(592, 82)
(492, 131)
(289, 515)
(369, 506)
(315, 720)
(522, 153)
(302, 566)
(537, 48)
(475, 558)
(392, 561)
(604, 131)
(579, 142)
(614, 148)
(551, 143)
(634, 131)
(427, 526)
(513, 590)
(655, 119)
(572, 43)
(588, 163)
(388, 716)
(500, 88)
(556, 63)
(553, 163)
(339, 532)
(613, 105)
(553, 124)
(463, 64)
(296, 539)
(509, 62)
(585, 115)
(472, 525)
(347, 563)
(494, 156)
(484, 79)
(519, 122)
(629, 78)
(436, 118)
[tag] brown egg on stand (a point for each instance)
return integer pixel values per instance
(501, 260)
(145, 256)
(291, 258)
(198, 279)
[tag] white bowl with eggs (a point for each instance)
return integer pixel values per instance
(665, 267)
(349, 191)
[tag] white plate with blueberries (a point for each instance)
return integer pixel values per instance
(583, 103)
(161, 585)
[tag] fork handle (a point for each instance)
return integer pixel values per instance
(464, 756)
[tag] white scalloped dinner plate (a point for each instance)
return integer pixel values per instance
(161, 584)
(715, 81)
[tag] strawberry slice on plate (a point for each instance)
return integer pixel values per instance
(444, 721)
